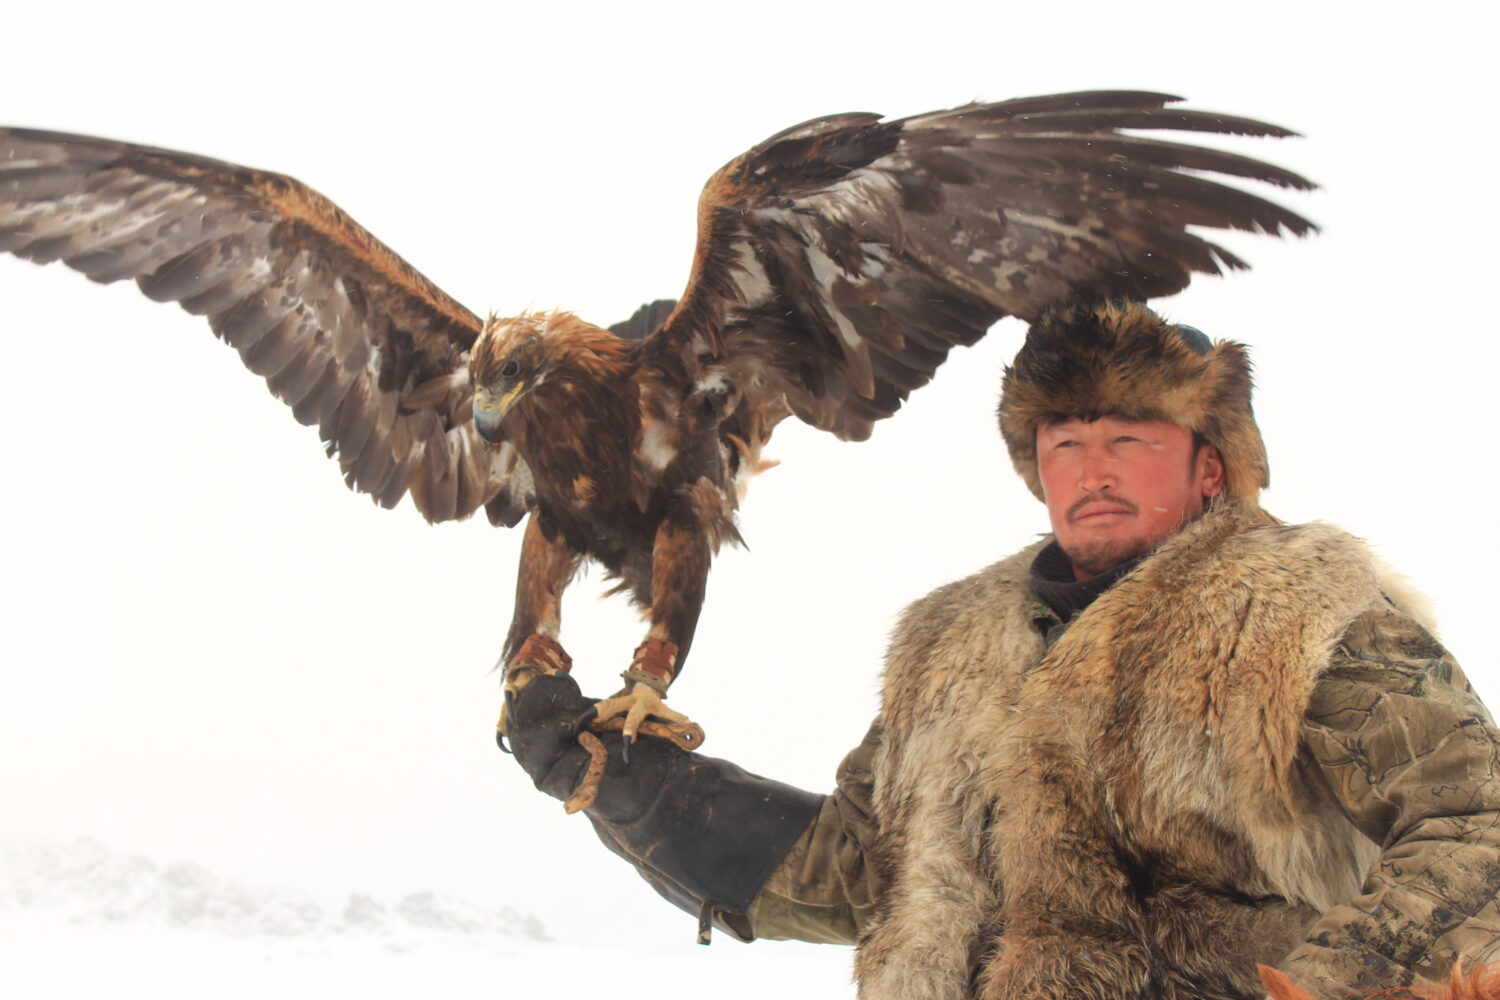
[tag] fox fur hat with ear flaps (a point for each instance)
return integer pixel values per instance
(1121, 359)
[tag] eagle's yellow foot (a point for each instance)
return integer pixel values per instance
(645, 686)
(635, 704)
(539, 654)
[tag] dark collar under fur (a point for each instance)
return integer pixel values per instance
(1052, 578)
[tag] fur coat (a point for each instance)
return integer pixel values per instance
(1200, 774)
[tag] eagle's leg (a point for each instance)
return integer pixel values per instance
(547, 566)
(679, 574)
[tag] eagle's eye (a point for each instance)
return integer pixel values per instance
(510, 369)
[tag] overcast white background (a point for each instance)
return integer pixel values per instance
(214, 652)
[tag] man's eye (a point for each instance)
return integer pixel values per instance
(1125, 437)
(510, 369)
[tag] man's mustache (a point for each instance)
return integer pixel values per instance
(1102, 497)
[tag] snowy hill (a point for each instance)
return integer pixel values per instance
(86, 884)
(79, 920)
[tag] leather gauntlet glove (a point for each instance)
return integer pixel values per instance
(705, 833)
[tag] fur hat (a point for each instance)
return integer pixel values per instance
(1121, 359)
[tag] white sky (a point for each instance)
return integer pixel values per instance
(213, 650)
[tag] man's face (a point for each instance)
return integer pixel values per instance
(1117, 488)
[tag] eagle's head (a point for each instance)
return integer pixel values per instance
(515, 356)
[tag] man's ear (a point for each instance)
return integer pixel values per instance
(1210, 471)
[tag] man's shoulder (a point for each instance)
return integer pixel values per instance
(961, 647)
(987, 610)
(1237, 532)
(1387, 649)
(1235, 549)
(1003, 581)
(1390, 648)
(1398, 620)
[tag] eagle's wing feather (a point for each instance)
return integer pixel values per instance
(839, 261)
(644, 321)
(343, 330)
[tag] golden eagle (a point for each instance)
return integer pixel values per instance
(837, 263)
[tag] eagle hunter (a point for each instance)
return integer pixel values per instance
(837, 263)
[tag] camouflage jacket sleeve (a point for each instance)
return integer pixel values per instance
(1413, 757)
(823, 890)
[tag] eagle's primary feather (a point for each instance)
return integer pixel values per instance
(837, 264)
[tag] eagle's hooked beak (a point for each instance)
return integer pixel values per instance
(490, 409)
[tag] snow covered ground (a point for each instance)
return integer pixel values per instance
(80, 920)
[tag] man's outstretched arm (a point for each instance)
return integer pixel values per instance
(757, 857)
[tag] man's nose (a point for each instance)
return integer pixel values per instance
(1097, 472)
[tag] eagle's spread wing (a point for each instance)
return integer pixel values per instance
(840, 260)
(343, 330)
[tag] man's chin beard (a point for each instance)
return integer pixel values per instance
(1093, 558)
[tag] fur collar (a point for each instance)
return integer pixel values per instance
(1029, 802)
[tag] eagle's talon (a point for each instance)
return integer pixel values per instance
(582, 722)
(637, 704)
(500, 724)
